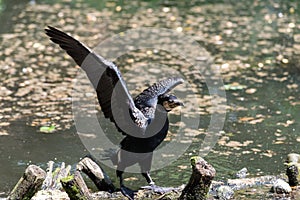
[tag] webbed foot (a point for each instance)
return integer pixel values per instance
(127, 192)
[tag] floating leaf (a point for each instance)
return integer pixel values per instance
(251, 91)
(234, 86)
(246, 119)
(47, 129)
(3, 132)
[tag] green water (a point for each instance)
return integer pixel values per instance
(255, 43)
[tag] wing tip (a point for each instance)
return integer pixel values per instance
(49, 28)
(177, 80)
(180, 80)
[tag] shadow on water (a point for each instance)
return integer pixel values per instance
(257, 46)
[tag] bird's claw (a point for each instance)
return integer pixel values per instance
(127, 192)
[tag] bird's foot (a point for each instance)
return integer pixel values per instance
(127, 192)
(158, 189)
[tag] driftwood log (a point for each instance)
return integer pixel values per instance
(75, 187)
(92, 169)
(56, 182)
(292, 170)
(200, 180)
(59, 184)
(29, 183)
(51, 187)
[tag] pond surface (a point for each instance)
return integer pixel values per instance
(255, 45)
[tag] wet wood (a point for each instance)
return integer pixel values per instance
(29, 183)
(200, 180)
(89, 166)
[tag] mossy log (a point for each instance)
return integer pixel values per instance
(75, 187)
(200, 180)
(197, 187)
(92, 169)
(29, 183)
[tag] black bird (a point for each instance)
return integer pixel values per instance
(143, 120)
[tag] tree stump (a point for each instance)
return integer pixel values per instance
(200, 180)
(90, 167)
(292, 170)
(75, 187)
(29, 183)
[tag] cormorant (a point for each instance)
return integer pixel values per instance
(143, 120)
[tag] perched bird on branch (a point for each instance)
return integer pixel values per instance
(142, 120)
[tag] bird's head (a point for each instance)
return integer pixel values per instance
(169, 101)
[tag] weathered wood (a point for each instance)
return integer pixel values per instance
(52, 180)
(90, 167)
(200, 180)
(292, 170)
(197, 187)
(52, 194)
(75, 187)
(48, 180)
(281, 187)
(29, 183)
(243, 183)
(60, 173)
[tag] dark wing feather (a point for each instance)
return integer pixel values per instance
(113, 96)
(147, 100)
(73, 47)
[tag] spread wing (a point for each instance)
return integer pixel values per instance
(147, 100)
(113, 95)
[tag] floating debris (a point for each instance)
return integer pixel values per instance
(47, 129)
(234, 86)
